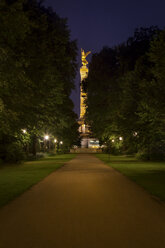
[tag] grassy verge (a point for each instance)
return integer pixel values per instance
(149, 175)
(15, 179)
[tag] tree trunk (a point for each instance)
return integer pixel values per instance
(34, 145)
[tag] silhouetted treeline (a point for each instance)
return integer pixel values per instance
(37, 69)
(126, 95)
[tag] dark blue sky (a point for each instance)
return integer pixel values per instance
(101, 22)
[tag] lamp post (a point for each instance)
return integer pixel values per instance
(61, 143)
(55, 143)
(46, 139)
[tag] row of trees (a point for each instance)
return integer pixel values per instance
(126, 92)
(37, 71)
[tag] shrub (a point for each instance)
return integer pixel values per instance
(153, 154)
(142, 155)
(14, 153)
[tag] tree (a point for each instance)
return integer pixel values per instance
(151, 111)
(41, 59)
(115, 86)
(102, 89)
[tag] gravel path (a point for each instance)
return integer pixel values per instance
(85, 204)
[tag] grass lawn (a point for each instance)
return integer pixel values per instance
(150, 175)
(15, 179)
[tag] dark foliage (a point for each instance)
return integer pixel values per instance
(125, 90)
(38, 66)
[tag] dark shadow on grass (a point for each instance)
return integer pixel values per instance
(55, 159)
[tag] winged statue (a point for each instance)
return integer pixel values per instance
(83, 57)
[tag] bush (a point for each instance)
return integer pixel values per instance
(142, 155)
(39, 155)
(14, 153)
(154, 154)
(112, 150)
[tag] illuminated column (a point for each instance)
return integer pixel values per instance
(86, 140)
(83, 74)
(83, 96)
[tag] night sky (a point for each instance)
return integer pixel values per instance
(106, 23)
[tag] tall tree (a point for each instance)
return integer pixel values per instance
(115, 86)
(151, 110)
(38, 66)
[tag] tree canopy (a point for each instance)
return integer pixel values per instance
(38, 67)
(125, 90)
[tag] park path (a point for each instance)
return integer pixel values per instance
(85, 204)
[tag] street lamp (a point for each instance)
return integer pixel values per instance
(55, 141)
(121, 138)
(24, 131)
(61, 142)
(135, 134)
(46, 137)
(113, 140)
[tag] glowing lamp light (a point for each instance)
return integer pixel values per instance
(61, 142)
(46, 137)
(113, 140)
(135, 134)
(24, 131)
(55, 141)
(121, 138)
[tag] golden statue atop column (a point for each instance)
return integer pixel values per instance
(83, 96)
(83, 74)
(83, 57)
(88, 144)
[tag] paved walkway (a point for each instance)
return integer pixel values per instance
(85, 204)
